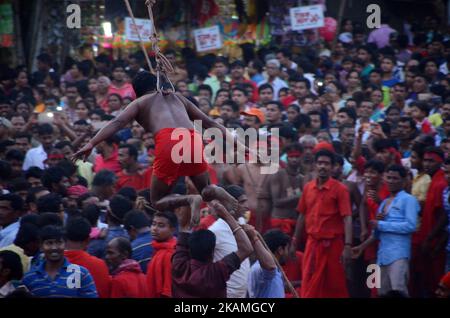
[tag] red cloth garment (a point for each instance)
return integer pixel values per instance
(323, 273)
(288, 100)
(293, 269)
(128, 281)
(205, 9)
(159, 270)
(325, 208)
(255, 96)
(110, 163)
(212, 175)
(164, 168)
(426, 271)
(285, 225)
(265, 225)
(96, 267)
(139, 181)
(206, 222)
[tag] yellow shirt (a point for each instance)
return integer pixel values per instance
(25, 260)
(420, 186)
(436, 120)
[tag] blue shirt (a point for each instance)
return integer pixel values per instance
(8, 234)
(265, 284)
(97, 247)
(395, 231)
(142, 249)
(446, 205)
(72, 281)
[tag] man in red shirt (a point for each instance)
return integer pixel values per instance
(159, 270)
(108, 155)
(326, 214)
(119, 85)
(132, 174)
(237, 70)
(428, 255)
(77, 234)
(127, 280)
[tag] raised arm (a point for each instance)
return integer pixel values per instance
(244, 245)
(264, 256)
(109, 130)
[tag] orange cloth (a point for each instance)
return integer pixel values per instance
(285, 225)
(95, 266)
(159, 270)
(138, 181)
(323, 273)
(325, 208)
(129, 281)
(168, 171)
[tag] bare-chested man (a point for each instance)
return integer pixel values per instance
(281, 192)
(161, 114)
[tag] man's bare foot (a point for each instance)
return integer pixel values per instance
(195, 203)
(213, 192)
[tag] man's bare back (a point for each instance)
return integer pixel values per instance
(158, 111)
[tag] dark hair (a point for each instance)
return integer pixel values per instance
(205, 87)
(276, 239)
(382, 144)
(143, 83)
(350, 112)
(237, 63)
(277, 103)
(258, 65)
(435, 150)
(51, 232)
(423, 107)
(132, 150)
(104, 178)
(11, 261)
(409, 120)
(300, 79)
(170, 216)
(91, 213)
(45, 129)
(376, 165)
(326, 153)
(52, 175)
(67, 167)
(202, 244)
(265, 86)
(136, 219)
(391, 108)
(28, 233)
(77, 229)
(19, 184)
(49, 218)
(23, 135)
(65, 143)
(397, 168)
(15, 201)
(49, 203)
(241, 89)
(232, 104)
(129, 193)
(34, 172)
(119, 206)
(5, 170)
(235, 191)
(124, 246)
(14, 154)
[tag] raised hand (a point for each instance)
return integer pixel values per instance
(83, 153)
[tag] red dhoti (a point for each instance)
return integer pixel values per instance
(165, 167)
(285, 225)
(323, 272)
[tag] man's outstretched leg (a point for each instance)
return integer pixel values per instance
(158, 190)
(171, 202)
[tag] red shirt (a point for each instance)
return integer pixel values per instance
(95, 266)
(139, 181)
(324, 208)
(288, 100)
(372, 206)
(433, 206)
(128, 281)
(110, 163)
(125, 91)
(159, 270)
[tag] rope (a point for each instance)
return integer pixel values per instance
(287, 281)
(130, 12)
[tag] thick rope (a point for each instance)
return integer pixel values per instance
(287, 281)
(130, 12)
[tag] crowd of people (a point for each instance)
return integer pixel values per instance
(363, 179)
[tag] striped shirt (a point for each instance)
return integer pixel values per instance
(142, 249)
(72, 281)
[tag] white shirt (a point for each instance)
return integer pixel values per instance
(35, 157)
(8, 234)
(277, 84)
(226, 244)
